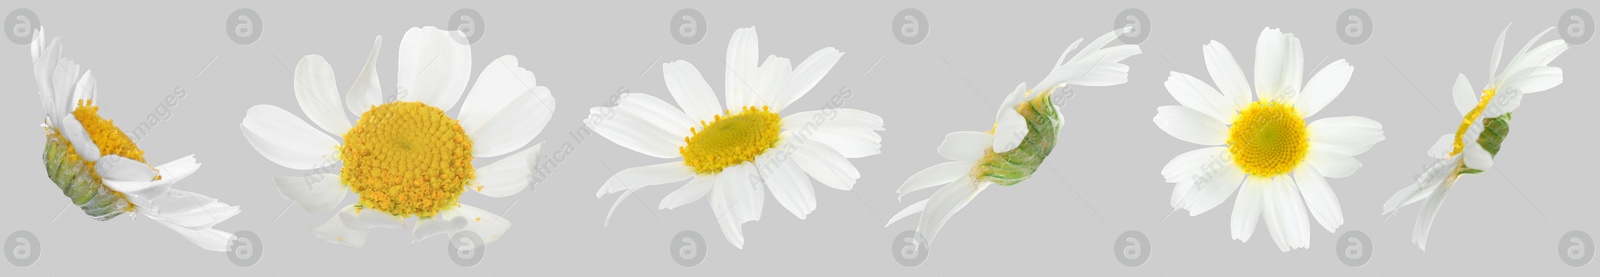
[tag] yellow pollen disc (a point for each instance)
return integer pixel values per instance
(730, 139)
(107, 137)
(1268, 138)
(1467, 121)
(407, 158)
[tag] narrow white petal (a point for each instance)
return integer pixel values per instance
(773, 76)
(114, 167)
(690, 90)
(723, 210)
(826, 165)
(434, 67)
(939, 174)
(914, 208)
(945, 203)
(1499, 46)
(1323, 87)
(1215, 188)
(509, 175)
(1195, 94)
(316, 193)
(1285, 215)
(739, 81)
(642, 123)
(850, 131)
(1349, 135)
(286, 140)
(1332, 164)
(1009, 131)
(366, 92)
(506, 109)
(1185, 166)
(1247, 210)
(1319, 198)
(1225, 72)
(633, 179)
(87, 88)
(1536, 80)
(1441, 148)
(206, 238)
(1192, 126)
(788, 183)
(318, 94)
(806, 76)
(694, 190)
(1465, 98)
(1269, 66)
(334, 231)
(1430, 211)
(746, 193)
(965, 145)
(79, 137)
(1477, 157)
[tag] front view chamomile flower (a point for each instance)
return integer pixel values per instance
(101, 169)
(1024, 134)
(1485, 123)
(407, 158)
(1264, 149)
(736, 153)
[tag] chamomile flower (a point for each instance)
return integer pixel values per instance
(102, 170)
(1264, 149)
(407, 158)
(1485, 123)
(1024, 133)
(734, 154)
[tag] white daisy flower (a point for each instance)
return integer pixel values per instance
(736, 153)
(1485, 123)
(1010, 152)
(1265, 144)
(102, 170)
(406, 158)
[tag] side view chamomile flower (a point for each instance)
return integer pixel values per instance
(1264, 149)
(102, 170)
(1024, 134)
(407, 158)
(736, 153)
(1485, 123)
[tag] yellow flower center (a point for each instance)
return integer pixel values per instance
(1268, 138)
(730, 139)
(407, 158)
(1467, 121)
(107, 137)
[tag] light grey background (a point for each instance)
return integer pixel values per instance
(1502, 223)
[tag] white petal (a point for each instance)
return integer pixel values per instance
(79, 137)
(788, 183)
(434, 67)
(945, 203)
(355, 218)
(1323, 87)
(87, 88)
(315, 90)
(850, 131)
(1465, 98)
(633, 179)
(694, 190)
(1349, 135)
(1536, 80)
(1332, 164)
(965, 145)
(505, 109)
(1192, 126)
(642, 123)
(806, 76)
(739, 80)
(366, 91)
(1225, 72)
(1441, 148)
(1247, 209)
(722, 208)
(1477, 157)
(1197, 95)
(826, 165)
(287, 141)
(1214, 189)
(1531, 57)
(1436, 174)
(509, 175)
(1319, 198)
(334, 231)
(1185, 166)
(1016, 97)
(1270, 60)
(914, 208)
(690, 90)
(746, 194)
(147, 191)
(1009, 131)
(1285, 215)
(1499, 46)
(939, 174)
(488, 226)
(114, 167)
(207, 238)
(1430, 211)
(1097, 65)
(316, 193)
(773, 77)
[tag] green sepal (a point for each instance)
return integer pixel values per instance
(1014, 166)
(1495, 131)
